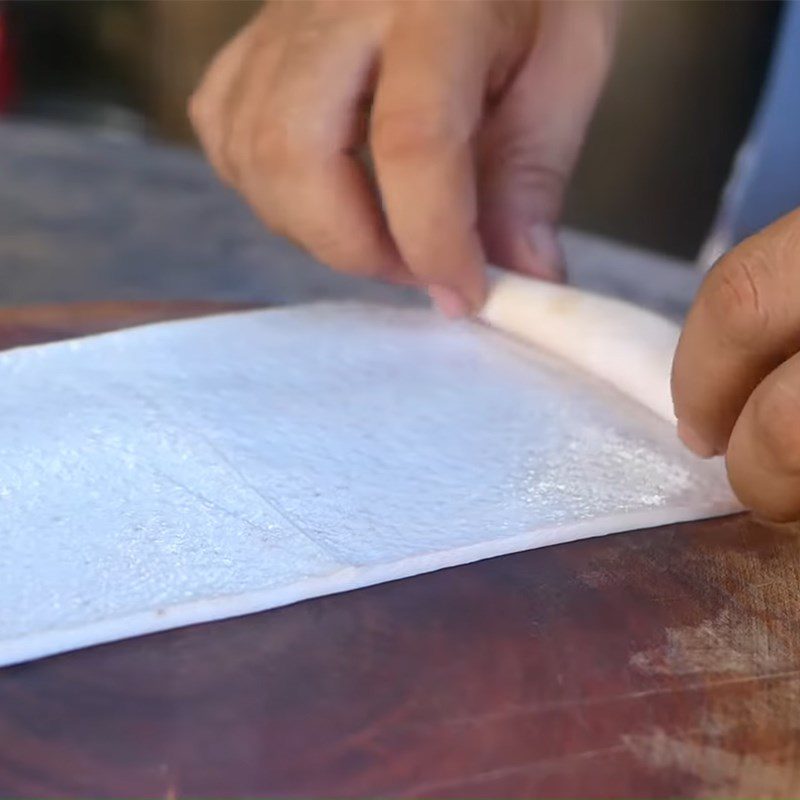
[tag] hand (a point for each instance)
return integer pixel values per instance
(473, 114)
(736, 377)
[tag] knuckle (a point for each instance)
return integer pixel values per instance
(735, 298)
(535, 179)
(776, 423)
(413, 133)
(532, 175)
(537, 170)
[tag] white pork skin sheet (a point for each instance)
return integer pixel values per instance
(196, 470)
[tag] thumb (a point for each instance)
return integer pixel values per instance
(532, 138)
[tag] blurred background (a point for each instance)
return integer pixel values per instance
(677, 107)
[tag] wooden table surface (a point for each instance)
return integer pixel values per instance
(657, 664)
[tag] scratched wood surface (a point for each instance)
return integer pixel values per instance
(657, 664)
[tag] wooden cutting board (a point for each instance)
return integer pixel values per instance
(657, 664)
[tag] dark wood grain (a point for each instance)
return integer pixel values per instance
(658, 664)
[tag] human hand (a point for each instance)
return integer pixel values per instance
(473, 113)
(736, 377)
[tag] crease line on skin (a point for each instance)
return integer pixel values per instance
(271, 504)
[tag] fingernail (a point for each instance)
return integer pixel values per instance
(448, 301)
(694, 441)
(548, 259)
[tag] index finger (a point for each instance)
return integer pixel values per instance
(427, 106)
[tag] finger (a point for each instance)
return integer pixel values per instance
(304, 177)
(243, 107)
(427, 106)
(764, 451)
(744, 322)
(208, 104)
(533, 137)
